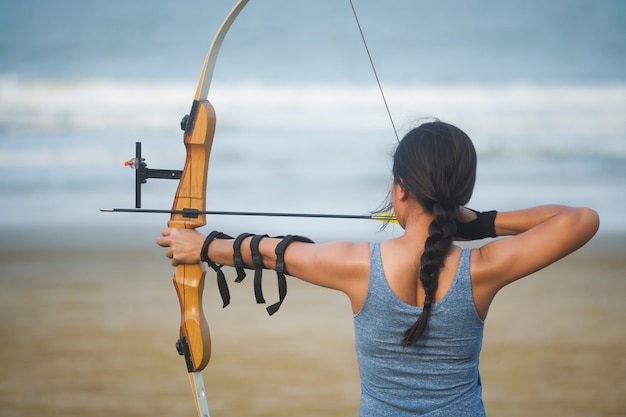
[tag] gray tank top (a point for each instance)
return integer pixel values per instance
(438, 376)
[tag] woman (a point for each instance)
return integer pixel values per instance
(419, 301)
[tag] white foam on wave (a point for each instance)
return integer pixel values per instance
(514, 118)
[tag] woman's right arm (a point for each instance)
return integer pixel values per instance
(511, 223)
(535, 238)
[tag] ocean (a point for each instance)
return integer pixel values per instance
(302, 127)
(540, 86)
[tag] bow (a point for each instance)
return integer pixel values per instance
(189, 209)
(199, 126)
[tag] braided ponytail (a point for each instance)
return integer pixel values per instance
(435, 163)
(436, 247)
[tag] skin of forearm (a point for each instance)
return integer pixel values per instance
(514, 222)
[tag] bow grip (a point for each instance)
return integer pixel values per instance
(195, 339)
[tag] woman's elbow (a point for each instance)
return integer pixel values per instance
(587, 222)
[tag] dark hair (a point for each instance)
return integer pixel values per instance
(435, 163)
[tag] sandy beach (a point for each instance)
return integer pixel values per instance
(311, 98)
(88, 328)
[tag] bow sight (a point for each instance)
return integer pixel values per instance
(142, 172)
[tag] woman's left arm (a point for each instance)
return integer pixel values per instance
(341, 266)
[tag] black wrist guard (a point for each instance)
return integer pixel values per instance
(481, 227)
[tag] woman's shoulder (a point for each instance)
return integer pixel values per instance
(339, 265)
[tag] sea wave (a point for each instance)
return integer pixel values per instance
(513, 117)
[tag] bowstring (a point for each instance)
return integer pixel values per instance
(369, 55)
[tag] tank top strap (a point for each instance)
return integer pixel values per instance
(378, 285)
(379, 293)
(462, 285)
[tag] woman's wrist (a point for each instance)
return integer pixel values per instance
(482, 226)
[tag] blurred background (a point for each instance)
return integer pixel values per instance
(539, 86)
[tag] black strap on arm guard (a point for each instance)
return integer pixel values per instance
(204, 257)
(281, 269)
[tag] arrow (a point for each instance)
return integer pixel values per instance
(193, 213)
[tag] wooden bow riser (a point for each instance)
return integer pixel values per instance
(191, 194)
